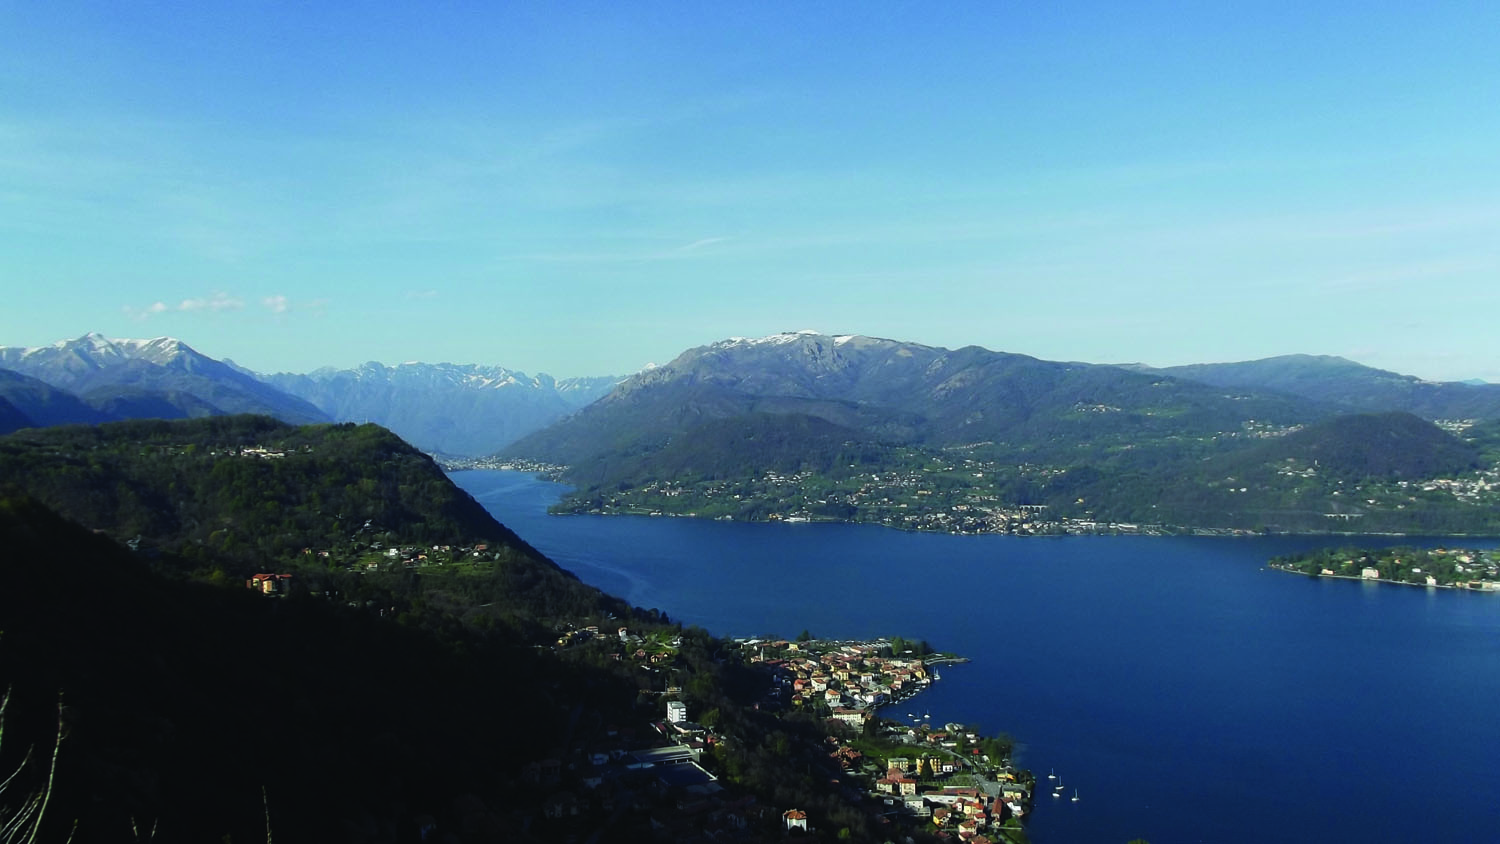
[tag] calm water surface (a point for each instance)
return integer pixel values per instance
(1189, 694)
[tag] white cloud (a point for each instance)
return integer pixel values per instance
(278, 304)
(220, 301)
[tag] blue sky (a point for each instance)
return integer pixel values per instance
(585, 188)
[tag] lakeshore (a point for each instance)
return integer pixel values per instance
(1472, 570)
(1488, 587)
(965, 495)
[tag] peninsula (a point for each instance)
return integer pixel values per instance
(1441, 568)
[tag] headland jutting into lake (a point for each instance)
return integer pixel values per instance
(953, 776)
(1475, 570)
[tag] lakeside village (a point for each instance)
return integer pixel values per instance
(946, 780)
(1437, 568)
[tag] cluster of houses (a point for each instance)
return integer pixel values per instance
(850, 679)
(647, 651)
(967, 810)
(376, 555)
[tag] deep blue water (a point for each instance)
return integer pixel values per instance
(1188, 693)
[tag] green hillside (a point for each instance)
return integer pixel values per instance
(1368, 472)
(1394, 446)
(222, 498)
(809, 426)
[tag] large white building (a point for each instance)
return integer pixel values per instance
(676, 711)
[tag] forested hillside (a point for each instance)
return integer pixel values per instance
(196, 713)
(225, 497)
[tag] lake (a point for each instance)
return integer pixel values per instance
(1187, 692)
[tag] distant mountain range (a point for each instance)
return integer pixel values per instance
(162, 378)
(446, 408)
(453, 409)
(857, 389)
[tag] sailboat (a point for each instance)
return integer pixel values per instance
(1053, 775)
(1057, 789)
(1075, 795)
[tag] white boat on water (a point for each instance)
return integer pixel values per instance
(1075, 795)
(1053, 775)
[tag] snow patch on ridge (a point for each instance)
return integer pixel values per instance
(781, 339)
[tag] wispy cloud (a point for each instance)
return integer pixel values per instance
(700, 243)
(421, 294)
(221, 302)
(216, 303)
(280, 305)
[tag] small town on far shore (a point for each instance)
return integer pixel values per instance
(904, 500)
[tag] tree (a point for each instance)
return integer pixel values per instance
(804, 636)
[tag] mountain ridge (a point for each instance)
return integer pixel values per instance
(1347, 383)
(164, 366)
(1093, 443)
(889, 389)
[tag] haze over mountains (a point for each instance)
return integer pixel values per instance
(446, 408)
